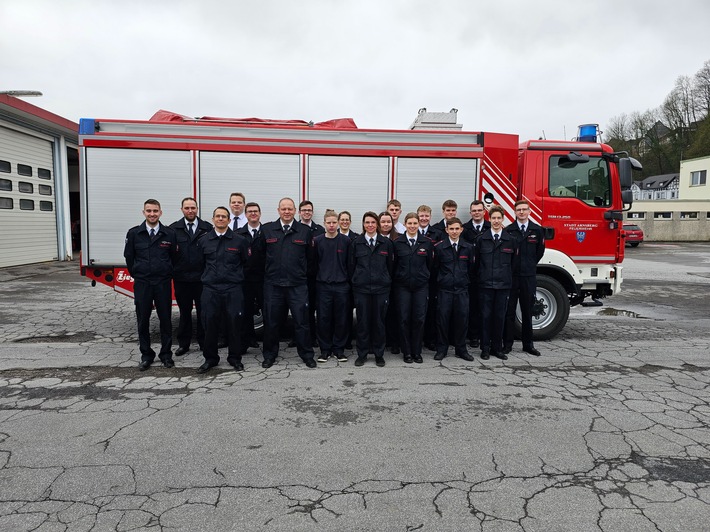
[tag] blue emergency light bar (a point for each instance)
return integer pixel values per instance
(588, 133)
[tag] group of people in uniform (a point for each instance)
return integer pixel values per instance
(412, 284)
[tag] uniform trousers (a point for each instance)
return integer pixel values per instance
(494, 303)
(253, 302)
(333, 302)
(146, 295)
(523, 291)
(411, 307)
(371, 310)
(278, 300)
(452, 321)
(187, 294)
(474, 313)
(222, 307)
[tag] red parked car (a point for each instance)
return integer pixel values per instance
(634, 235)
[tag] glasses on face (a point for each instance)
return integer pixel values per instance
(306, 210)
(252, 212)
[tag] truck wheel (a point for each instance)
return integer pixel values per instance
(550, 310)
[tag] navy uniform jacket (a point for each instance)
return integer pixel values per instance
(412, 265)
(453, 269)
(531, 246)
(289, 256)
(191, 262)
(470, 234)
(150, 261)
(496, 263)
(254, 268)
(225, 258)
(434, 234)
(316, 229)
(331, 258)
(370, 270)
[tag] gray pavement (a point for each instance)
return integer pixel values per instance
(608, 430)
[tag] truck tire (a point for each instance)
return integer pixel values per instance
(553, 304)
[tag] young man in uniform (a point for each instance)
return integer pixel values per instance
(531, 243)
(305, 212)
(150, 251)
(289, 259)
(187, 273)
(449, 209)
(453, 260)
(394, 207)
(471, 231)
(253, 272)
(225, 255)
(495, 257)
(236, 205)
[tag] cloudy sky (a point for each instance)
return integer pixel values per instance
(509, 66)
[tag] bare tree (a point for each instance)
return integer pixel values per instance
(701, 90)
(618, 128)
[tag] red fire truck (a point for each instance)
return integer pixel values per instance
(577, 190)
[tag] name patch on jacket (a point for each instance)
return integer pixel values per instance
(299, 241)
(271, 240)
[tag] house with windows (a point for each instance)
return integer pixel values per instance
(657, 187)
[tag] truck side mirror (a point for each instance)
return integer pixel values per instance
(626, 166)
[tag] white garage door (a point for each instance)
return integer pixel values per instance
(27, 199)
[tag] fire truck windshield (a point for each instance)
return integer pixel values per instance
(587, 181)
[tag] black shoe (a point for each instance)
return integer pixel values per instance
(407, 359)
(430, 347)
(292, 343)
(507, 349)
(380, 362)
(439, 356)
(181, 351)
(418, 359)
(323, 357)
(485, 355)
(474, 343)
(310, 363)
(238, 366)
(360, 361)
(341, 357)
(466, 357)
(395, 351)
(168, 363)
(502, 356)
(531, 350)
(266, 364)
(254, 344)
(204, 368)
(222, 344)
(144, 365)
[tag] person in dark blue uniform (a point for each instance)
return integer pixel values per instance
(305, 213)
(495, 256)
(471, 231)
(150, 250)
(331, 250)
(344, 222)
(435, 235)
(187, 273)
(449, 209)
(453, 264)
(531, 242)
(225, 254)
(388, 230)
(414, 255)
(370, 268)
(289, 259)
(253, 272)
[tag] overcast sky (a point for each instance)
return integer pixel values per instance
(508, 66)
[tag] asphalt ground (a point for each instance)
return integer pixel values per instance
(607, 430)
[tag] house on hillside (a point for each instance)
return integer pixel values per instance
(657, 187)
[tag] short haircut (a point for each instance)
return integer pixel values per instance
(411, 215)
(522, 202)
(449, 203)
(287, 199)
(304, 203)
(370, 214)
(237, 194)
(498, 209)
(225, 209)
(476, 202)
(252, 204)
(454, 220)
(151, 201)
(182, 203)
(424, 208)
(394, 202)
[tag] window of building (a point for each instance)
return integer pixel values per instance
(5, 167)
(45, 190)
(43, 173)
(5, 184)
(24, 186)
(27, 205)
(24, 169)
(698, 178)
(636, 216)
(5, 203)
(663, 215)
(688, 215)
(45, 206)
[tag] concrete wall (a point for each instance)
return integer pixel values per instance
(676, 220)
(699, 192)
